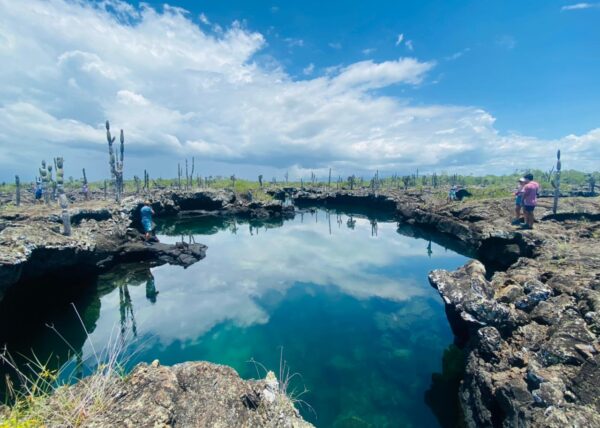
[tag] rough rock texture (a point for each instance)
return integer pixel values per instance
(534, 352)
(194, 394)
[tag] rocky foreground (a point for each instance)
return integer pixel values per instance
(528, 310)
(532, 327)
(193, 394)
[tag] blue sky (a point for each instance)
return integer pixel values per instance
(268, 87)
(535, 67)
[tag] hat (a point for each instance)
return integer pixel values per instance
(521, 180)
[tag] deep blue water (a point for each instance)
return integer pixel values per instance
(349, 307)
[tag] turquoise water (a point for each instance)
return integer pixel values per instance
(345, 299)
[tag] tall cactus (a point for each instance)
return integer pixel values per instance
(62, 197)
(260, 180)
(329, 180)
(18, 190)
(187, 175)
(233, 182)
(556, 183)
(60, 175)
(45, 181)
(116, 161)
(192, 173)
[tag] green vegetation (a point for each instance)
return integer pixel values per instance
(481, 187)
(43, 396)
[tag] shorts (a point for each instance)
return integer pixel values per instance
(147, 224)
(529, 208)
(519, 200)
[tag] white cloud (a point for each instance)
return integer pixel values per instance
(409, 45)
(457, 55)
(179, 91)
(580, 6)
(368, 51)
(335, 45)
(506, 41)
(399, 39)
(292, 42)
(204, 19)
(308, 70)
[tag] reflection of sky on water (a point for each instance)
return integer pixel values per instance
(244, 268)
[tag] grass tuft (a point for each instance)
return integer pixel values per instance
(47, 397)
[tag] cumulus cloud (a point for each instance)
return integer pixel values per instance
(178, 89)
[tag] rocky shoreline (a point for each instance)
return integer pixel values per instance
(106, 234)
(529, 308)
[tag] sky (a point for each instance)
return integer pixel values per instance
(268, 87)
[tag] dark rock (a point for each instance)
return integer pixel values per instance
(551, 311)
(490, 342)
(560, 348)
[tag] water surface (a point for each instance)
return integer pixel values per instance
(345, 297)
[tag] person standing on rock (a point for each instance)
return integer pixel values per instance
(530, 193)
(519, 201)
(146, 214)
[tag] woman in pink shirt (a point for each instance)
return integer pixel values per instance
(530, 193)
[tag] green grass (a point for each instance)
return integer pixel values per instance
(44, 397)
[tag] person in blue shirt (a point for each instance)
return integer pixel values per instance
(146, 214)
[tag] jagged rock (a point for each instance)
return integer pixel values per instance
(468, 291)
(536, 292)
(490, 342)
(551, 311)
(586, 384)
(560, 348)
(192, 394)
(509, 293)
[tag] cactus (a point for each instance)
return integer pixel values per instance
(286, 177)
(18, 190)
(85, 180)
(351, 181)
(233, 182)
(105, 189)
(137, 181)
(45, 182)
(179, 171)
(260, 180)
(146, 180)
(329, 181)
(192, 173)
(187, 175)
(592, 183)
(116, 162)
(62, 197)
(556, 183)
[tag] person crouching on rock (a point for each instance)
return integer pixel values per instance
(146, 213)
(518, 201)
(530, 193)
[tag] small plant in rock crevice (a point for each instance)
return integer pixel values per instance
(285, 384)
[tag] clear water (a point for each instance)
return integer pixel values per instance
(348, 303)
